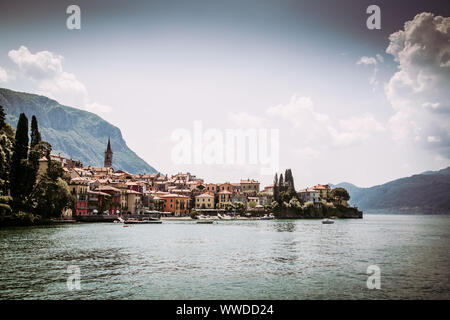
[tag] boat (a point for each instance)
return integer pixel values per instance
(267, 217)
(143, 221)
(223, 217)
(327, 221)
(205, 221)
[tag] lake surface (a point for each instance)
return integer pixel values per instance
(301, 259)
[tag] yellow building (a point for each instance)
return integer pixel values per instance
(249, 186)
(204, 201)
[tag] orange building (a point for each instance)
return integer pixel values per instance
(176, 204)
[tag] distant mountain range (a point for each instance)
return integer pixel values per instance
(427, 193)
(75, 133)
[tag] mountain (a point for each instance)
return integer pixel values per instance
(428, 192)
(75, 133)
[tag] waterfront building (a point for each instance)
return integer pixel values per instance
(250, 186)
(204, 201)
(115, 193)
(176, 204)
(224, 196)
(309, 195)
(79, 190)
(323, 189)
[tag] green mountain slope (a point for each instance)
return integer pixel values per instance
(75, 133)
(428, 192)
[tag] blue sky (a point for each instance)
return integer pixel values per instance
(152, 67)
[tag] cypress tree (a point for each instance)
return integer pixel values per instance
(34, 155)
(35, 134)
(281, 183)
(19, 166)
(2, 117)
(289, 179)
(275, 188)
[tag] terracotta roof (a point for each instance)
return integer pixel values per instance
(249, 181)
(205, 195)
(171, 195)
(108, 188)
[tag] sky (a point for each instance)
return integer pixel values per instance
(348, 103)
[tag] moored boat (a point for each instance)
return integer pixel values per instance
(205, 221)
(143, 221)
(327, 221)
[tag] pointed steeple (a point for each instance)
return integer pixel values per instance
(108, 148)
(108, 154)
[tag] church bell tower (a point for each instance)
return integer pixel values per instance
(108, 155)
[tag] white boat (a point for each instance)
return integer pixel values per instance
(327, 221)
(267, 217)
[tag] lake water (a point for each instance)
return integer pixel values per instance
(301, 259)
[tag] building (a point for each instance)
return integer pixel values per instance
(309, 195)
(115, 193)
(250, 186)
(224, 196)
(133, 201)
(204, 201)
(79, 189)
(96, 201)
(323, 189)
(108, 155)
(176, 204)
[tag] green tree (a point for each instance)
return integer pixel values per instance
(36, 152)
(275, 188)
(51, 194)
(19, 165)
(2, 117)
(35, 134)
(340, 193)
(6, 149)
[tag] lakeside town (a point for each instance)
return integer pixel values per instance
(38, 185)
(108, 192)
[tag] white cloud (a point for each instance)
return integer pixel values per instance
(367, 60)
(419, 91)
(3, 75)
(318, 129)
(380, 57)
(46, 70)
(355, 130)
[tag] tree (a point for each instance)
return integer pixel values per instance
(35, 134)
(252, 204)
(281, 182)
(19, 165)
(275, 188)
(289, 179)
(51, 194)
(36, 152)
(340, 193)
(2, 117)
(6, 149)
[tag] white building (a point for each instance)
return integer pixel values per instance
(309, 194)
